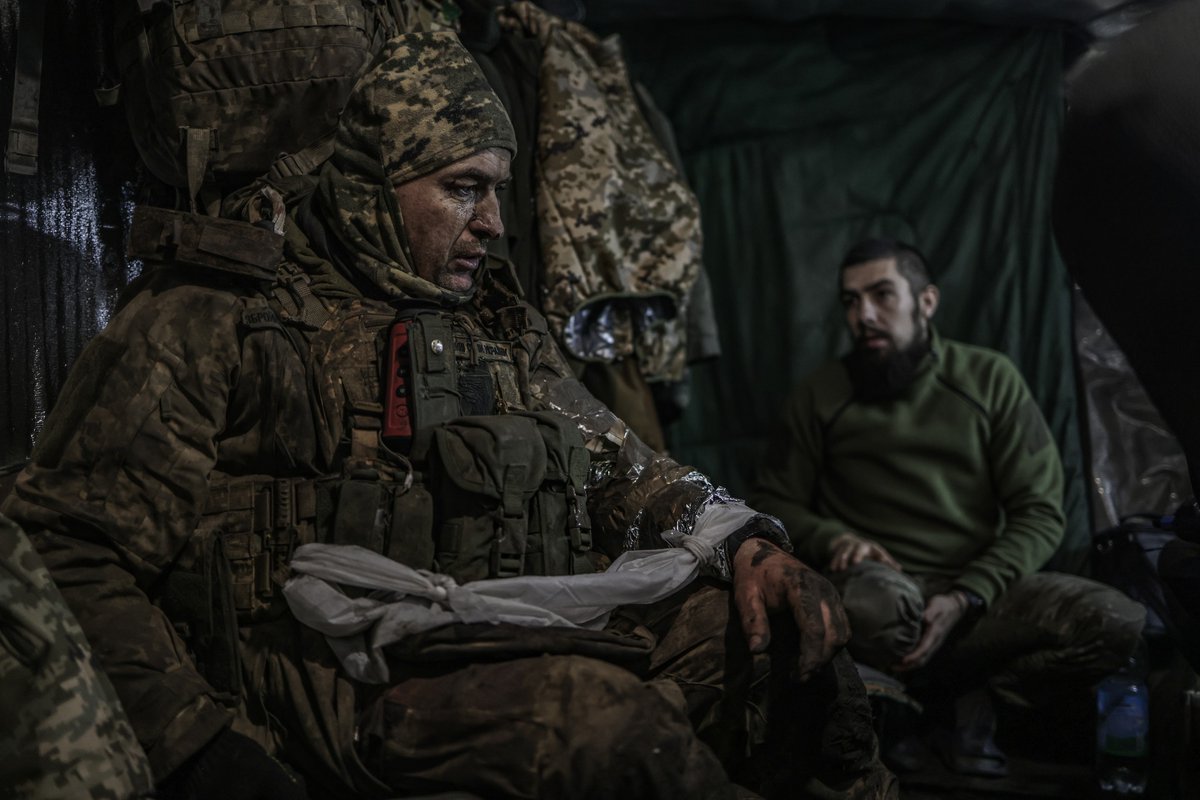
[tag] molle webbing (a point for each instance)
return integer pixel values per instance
(259, 522)
(509, 496)
(296, 301)
(216, 90)
(226, 245)
(238, 563)
(21, 153)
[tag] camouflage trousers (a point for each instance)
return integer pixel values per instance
(703, 714)
(1047, 633)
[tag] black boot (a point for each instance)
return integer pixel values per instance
(970, 749)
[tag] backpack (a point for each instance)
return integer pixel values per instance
(219, 92)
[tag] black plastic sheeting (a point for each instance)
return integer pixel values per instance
(1137, 465)
(61, 231)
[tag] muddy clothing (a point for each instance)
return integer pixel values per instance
(513, 728)
(64, 734)
(957, 478)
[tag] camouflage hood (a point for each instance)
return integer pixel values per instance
(422, 105)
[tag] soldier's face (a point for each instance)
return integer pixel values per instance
(450, 216)
(885, 316)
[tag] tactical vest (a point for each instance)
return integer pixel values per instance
(481, 487)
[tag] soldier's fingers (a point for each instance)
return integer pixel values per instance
(838, 562)
(752, 610)
(883, 557)
(886, 558)
(859, 552)
(837, 624)
(814, 620)
(914, 659)
(931, 638)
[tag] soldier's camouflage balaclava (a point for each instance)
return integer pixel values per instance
(423, 104)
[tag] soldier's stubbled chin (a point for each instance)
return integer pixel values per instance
(884, 377)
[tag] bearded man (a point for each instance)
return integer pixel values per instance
(920, 474)
(382, 389)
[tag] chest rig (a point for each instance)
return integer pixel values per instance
(437, 460)
(448, 468)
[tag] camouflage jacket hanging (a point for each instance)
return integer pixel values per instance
(619, 229)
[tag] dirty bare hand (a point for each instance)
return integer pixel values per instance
(848, 549)
(766, 579)
(942, 613)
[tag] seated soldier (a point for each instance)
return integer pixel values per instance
(920, 473)
(225, 417)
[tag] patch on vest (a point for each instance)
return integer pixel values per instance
(478, 351)
(477, 391)
(257, 319)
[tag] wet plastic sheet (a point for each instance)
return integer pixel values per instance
(1137, 465)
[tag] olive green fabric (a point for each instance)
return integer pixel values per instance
(812, 136)
(956, 477)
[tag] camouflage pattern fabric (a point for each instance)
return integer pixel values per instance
(1047, 633)
(413, 16)
(254, 80)
(62, 732)
(250, 81)
(615, 218)
(424, 104)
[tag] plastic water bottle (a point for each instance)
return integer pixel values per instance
(1122, 732)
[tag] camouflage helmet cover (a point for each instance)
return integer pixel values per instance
(423, 104)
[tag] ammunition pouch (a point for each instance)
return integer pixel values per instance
(385, 516)
(560, 532)
(485, 471)
(509, 496)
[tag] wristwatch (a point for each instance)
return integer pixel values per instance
(975, 605)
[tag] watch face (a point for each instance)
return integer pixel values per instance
(974, 601)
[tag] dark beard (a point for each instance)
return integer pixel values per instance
(878, 377)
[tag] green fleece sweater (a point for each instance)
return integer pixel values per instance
(958, 477)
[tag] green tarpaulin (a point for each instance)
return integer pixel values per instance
(801, 139)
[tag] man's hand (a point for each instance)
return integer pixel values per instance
(942, 613)
(766, 579)
(849, 549)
